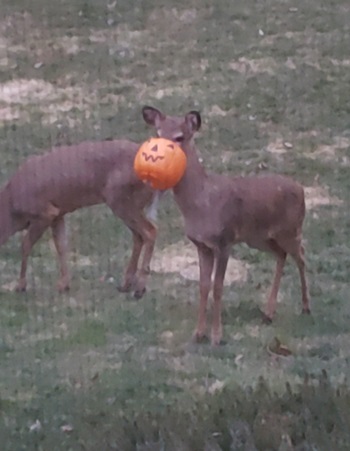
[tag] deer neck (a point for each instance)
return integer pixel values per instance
(193, 181)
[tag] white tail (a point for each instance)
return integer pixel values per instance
(265, 212)
(47, 187)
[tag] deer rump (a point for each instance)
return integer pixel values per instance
(263, 208)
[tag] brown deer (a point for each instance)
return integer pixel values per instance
(47, 187)
(264, 212)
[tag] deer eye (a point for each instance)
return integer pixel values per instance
(179, 139)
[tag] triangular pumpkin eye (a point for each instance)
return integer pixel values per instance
(171, 146)
(154, 148)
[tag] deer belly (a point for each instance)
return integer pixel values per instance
(74, 201)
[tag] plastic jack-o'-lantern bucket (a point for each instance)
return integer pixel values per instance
(160, 162)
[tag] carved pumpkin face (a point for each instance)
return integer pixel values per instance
(160, 162)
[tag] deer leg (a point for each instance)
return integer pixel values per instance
(281, 256)
(144, 236)
(32, 235)
(206, 264)
(149, 239)
(300, 261)
(221, 265)
(131, 269)
(60, 240)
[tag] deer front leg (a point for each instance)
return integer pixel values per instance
(149, 239)
(216, 331)
(206, 263)
(131, 269)
(60, 240)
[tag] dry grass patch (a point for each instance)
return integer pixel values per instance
(183, 259)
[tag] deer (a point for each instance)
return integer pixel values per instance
(48, 186)
(264, 211)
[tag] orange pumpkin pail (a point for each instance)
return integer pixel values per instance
(160, 162)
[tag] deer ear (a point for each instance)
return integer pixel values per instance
(193, 120)
(151, 115)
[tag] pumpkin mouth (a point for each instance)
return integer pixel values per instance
(151, 157)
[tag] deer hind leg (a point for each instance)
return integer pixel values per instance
(60, 240)
(221, 265)
(299, 257)
(295, 249)
(32, 235)
(206, 264)
(281, 256)
(149, 243)
(149, 234)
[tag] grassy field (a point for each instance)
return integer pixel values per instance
(95, 370)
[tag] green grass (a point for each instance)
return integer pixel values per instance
(124, 373)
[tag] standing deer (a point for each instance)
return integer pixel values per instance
(266, 213)
(47, 187)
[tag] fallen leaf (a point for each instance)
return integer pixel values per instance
(35, 426)
(67, 428)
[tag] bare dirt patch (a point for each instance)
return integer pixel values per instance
(215, 110)
(278, 146)
(328, 152)
(54, 101)
(316, 196)
(23, 91)
(9, 114)
(4, 61)
(341, 63)
(171, 19)
(118, 38)
(70, 45)
(182, 258)
(245, 66)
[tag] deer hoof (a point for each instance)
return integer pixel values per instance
(21, 287)
(63, 288)
(139, 293)
(218, 342)
(124, 288)
(200, 338)
(306, 311)
(266, 319)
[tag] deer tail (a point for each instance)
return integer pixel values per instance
(7, 222)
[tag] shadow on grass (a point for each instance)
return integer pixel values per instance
(244, 312)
